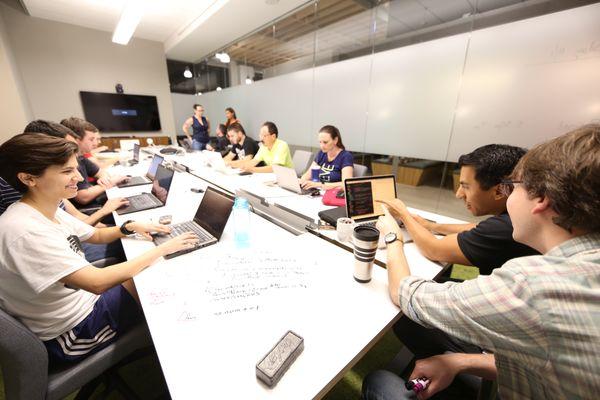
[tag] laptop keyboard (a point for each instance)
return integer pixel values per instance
(139, 202)
(189, 226)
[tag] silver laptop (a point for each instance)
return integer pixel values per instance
(143, 180)
(216, 161)
(156, 198)
(287, 179)
(208, 223)
(362, 195)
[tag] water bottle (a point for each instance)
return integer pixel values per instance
(241, 219)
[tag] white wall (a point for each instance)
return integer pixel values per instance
(518, 83)
(58, 60)
(15, 112)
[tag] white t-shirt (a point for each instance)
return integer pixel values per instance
(35, 253)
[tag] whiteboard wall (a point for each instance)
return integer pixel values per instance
(518, 83)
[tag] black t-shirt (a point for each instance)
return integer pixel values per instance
(86, 168)
(249, 147)
(490, 244)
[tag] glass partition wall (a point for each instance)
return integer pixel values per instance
(411, 84)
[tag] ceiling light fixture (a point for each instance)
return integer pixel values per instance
(130, 18)
(219, 88)
(248, 81)
(223, 57)
(187, 73)
(199, 94)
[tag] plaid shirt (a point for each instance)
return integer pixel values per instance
(540, 316)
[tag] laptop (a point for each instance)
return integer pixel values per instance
(216, 161)
(361, 199)
(287, 179)
(143, 180)
(186, 144)
(156, 198)
(208, 223)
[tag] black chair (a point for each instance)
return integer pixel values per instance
(24, 362)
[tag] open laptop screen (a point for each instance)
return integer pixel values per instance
(362, 195)
(156, 161)
(214, 211)
(162, 183)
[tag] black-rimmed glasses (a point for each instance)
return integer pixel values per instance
(507, 186)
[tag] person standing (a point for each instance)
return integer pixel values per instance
(231, 117)
(200, 128)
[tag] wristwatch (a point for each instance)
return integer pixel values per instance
(124, 229)
(391, 238)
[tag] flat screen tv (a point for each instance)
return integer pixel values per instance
(113, 112)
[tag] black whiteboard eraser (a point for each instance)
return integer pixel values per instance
(273, 365)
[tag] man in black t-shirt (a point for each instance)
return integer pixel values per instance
(243, 147)
(486, 245)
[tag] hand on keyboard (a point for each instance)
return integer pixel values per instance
(145, 229)
(186, 241)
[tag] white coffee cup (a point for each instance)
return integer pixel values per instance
(344, 228)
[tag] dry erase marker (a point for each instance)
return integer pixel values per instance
(417, 385)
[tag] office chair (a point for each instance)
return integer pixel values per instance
(24, 362)
(360, 170)
(301, 160)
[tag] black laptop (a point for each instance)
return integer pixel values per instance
(156, 198)
(144, 180)
(361, 199)
(208, 223)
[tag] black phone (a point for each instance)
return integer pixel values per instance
(197, 190)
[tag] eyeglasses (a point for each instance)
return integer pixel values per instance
(507, 186)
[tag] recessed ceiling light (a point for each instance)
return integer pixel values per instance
(187, 73)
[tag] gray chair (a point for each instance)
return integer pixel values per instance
(360, 170)
(302, 160)
(24, 362)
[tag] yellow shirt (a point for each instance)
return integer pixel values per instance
(279, 154)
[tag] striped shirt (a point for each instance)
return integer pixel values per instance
(9, 195)
(539, 315)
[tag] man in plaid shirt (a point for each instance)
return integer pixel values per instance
(538, 316)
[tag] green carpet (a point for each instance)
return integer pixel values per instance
(145, 377)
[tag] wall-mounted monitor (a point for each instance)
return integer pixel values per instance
(112, 112)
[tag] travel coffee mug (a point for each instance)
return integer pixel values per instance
(365, 246)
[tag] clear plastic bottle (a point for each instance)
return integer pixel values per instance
(241, 219)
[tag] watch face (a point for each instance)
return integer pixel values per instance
(390, 237)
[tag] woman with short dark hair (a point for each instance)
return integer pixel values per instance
(74, 307)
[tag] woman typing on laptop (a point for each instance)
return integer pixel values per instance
(333, 162)
(74, 307)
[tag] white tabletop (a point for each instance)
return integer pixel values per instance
(207, 345)
(216, 355)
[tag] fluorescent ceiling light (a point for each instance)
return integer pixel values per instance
(130, 18)
(192, 26)
(187, 73)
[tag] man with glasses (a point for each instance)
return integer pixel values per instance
(539, 316)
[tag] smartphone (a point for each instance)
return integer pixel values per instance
(197, 190)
